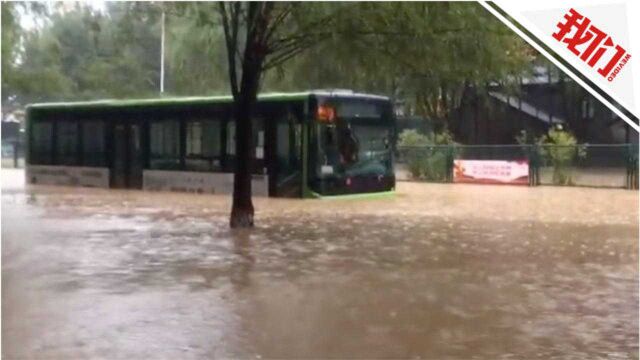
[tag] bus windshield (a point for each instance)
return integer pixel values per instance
(354, 150)
(374, 150)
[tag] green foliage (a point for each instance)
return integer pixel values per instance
(10, 31)
(196, 58)
(411, 137)
(80, 53)
(428, 157)
(11, 35)
(425, 53)
(560, 148)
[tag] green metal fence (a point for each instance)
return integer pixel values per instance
(12, 155)
(595, 165)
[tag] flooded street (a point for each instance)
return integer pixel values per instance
(437, 271)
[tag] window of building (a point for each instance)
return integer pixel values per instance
(67, 143)
(587, 108)
(165, 145)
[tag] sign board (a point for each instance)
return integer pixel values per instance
(491, 172)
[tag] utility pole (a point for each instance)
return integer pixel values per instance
(551, 91)
(162, 55)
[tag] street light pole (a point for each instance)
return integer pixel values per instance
(162, 55)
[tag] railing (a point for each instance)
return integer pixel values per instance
(595, 165)
(12, 155)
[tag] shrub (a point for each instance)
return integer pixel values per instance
(560, 148)
(408, 138)
(428, 157)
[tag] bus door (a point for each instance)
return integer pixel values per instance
(286, 179)
(127, 164)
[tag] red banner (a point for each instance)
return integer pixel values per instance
(491, 172)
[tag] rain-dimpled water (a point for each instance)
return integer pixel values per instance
(436, 271)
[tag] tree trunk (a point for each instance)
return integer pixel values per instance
(242, 209)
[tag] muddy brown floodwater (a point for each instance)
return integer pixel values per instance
(438, 271)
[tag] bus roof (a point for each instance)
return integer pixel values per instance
(275, 96)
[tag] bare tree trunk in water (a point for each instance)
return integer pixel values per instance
(242, 209)
(260, 49)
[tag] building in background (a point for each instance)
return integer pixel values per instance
(497, 114)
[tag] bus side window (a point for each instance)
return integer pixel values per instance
(231, 137)
(203, 145)
(258, 145)
(41, 142)
(165, 145)
(283, 148)
(94, 151)
(258, 138)
(289, 143)
(67, 143)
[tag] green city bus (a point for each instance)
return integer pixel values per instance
(309, 144)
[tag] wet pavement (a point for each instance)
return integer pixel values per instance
(438, 271)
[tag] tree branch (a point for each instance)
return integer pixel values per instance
(230, 28)
(280, 18)
(285, 53)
